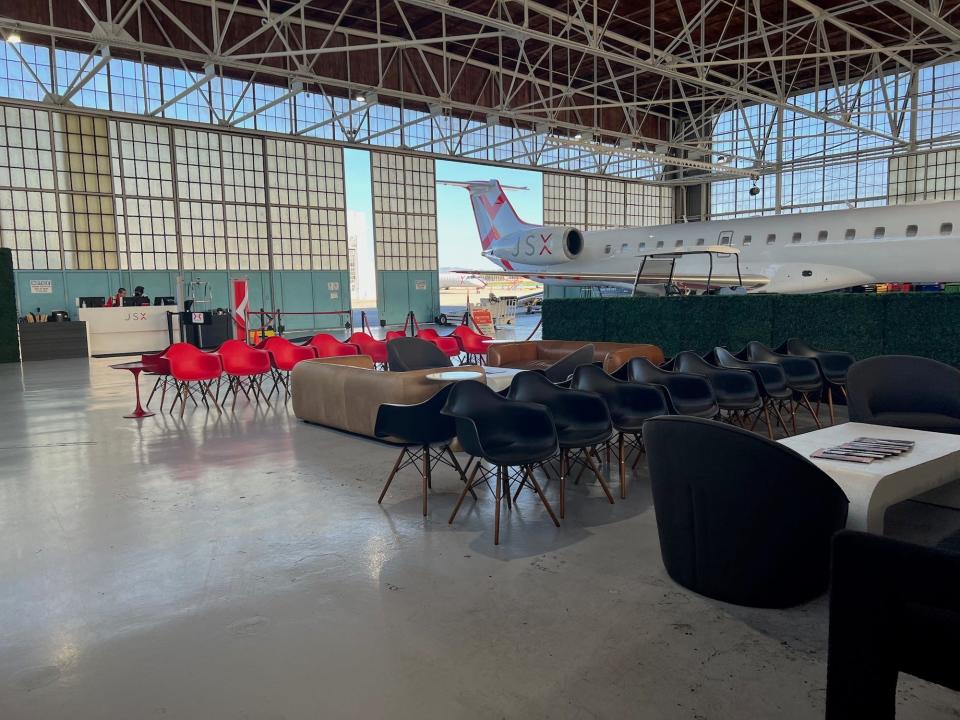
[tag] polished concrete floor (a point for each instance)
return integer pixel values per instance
(239, 567)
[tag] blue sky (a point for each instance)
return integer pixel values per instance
(459, 243)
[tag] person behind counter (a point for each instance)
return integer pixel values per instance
(116, 300)
(138, 297)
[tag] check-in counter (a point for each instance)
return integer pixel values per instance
(127, 330)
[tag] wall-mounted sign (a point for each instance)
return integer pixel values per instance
(333, 286)
(196, 318)
(421, 285)
(41, 287)
(334, 295)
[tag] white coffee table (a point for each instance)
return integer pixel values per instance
(499, 378)
(872, 488)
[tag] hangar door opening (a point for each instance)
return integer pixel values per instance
(405, 236)
(363, 277)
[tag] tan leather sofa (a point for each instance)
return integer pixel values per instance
(541, 354)
(346, 392)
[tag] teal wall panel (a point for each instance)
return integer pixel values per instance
(218, 285)
(331, 292)
(57, 300)
(400, 291)
(295, 295)
(155, 283)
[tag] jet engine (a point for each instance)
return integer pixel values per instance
(538, 245)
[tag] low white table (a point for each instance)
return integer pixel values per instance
(500, 378)
(496, 378)
(872, 488)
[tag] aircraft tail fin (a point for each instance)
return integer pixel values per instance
(492, 210)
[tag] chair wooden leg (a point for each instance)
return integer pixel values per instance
(564, 469)
(208, 392)
(468, 487)
(426, 477)
(496, 514)
(596, 471)
(460, 470)
(623, 473)
(184, 388)
(833, 417)
(543, 498)
(153, 392)
(805, 402)
(396, 466)
(766, 418)
(506, 488)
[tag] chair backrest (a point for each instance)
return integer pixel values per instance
(410, 353)
(741, 518)
(482, 415)
(689, 362)
(284, 354)
(394, 334)
(894, 607)
(188, 362)
(327, 345)
(428, 333)
(642, 370)
(902, 384)
(239, 358)
(562, 369)
(756, 350)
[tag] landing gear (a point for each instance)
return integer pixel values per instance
(441, 319)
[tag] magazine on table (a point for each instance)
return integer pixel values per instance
(864, 450)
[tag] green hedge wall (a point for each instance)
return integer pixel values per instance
(9, 343)
(925, 324)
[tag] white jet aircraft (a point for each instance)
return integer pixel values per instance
(453, 279)
(801, 253)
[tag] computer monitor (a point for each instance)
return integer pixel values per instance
(90, 301)
(135, 301)
(165, 300)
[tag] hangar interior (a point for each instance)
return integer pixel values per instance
(213, 567)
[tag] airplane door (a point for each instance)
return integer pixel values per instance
(726, 238)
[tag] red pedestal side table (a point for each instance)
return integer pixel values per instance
(136, 368)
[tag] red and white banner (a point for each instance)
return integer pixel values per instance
(240, 302)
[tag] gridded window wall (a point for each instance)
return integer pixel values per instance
(404, 212)
(564, 200)
(29, 227)
(605, 204)
(88, 217)
(144, 183)
(199, 173)
(307, 206)
(592, 203)
(924, 176)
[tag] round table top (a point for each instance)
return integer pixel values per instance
(137, 365)
(454, 375)
(501, 342)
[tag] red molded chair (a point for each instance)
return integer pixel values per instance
(369, 345)
(394, 334)
(190, 364)
(328, 346)
(283, 356)
(450, 346)
(245, 368)
(474, 344)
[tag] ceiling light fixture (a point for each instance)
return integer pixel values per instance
(14, 37)
(359, 97)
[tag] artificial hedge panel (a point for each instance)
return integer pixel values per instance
(865, 325)
(923, 324)
(581, 319)
(851, 322)
(9, 344)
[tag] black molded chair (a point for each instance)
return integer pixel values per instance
(630, 405)
(425, 435)
(833, 365)
(803, 377)
(581, 419)
(562, 370)
(741, 518)
(687, 394)
(504, 433)
(736, 391)
(905, 391)
(771, 380)
(894, 607)
(410, 353)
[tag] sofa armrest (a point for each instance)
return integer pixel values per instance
(618, 358)
(509, 353)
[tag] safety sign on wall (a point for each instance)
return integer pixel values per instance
(41, 287)
(421, 285)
